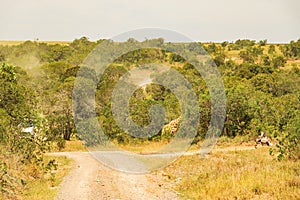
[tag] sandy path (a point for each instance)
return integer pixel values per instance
(90, 180)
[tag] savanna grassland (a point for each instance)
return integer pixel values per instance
(236, 174)
(261, 83)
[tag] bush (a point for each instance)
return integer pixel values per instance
(288, 145)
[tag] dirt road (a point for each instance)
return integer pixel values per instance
(90, 180)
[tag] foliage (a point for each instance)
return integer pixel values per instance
(291, 50)
(289, 144)
(19, 151)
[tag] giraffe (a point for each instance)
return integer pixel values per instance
(172, 127)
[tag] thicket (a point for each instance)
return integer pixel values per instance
(21, 155)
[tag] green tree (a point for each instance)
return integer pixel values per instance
(271, 49)
(18, 151)
(288, 146)
(219, 59)
(263, 42)
(224, 44)
(278, 61)
(212, 48)
(246, 56)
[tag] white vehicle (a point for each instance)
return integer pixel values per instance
(29, 129)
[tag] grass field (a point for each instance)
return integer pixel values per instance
(247, 174)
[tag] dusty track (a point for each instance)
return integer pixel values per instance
(90, 180)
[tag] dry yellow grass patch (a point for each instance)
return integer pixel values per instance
(70, 146)
(251, 174)
(10, 43)
(17, 42)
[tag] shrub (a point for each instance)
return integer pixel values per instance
(288, 146)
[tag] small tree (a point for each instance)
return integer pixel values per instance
(271, 49)
(219, 59)
(278, 61)
(263, 42)
(246, 56)
(288, 146)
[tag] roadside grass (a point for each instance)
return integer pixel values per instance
(74, 145)
(46, 187)
(147, 147)
(71, 145)
(251, 174)
(144, 147)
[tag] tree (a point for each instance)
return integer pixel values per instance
(289, 144)
(246, 56)
(196, 47)
(266, 60)
(245, 43)
(291, 50)
(58, 53)
(212, 48)
(224, 44)
(219, 59)
(257, 51)
(18, 151)
(238, 115)
(263, 42)
(271, 49)
(278, 61)
(176, 58)
(15, 99)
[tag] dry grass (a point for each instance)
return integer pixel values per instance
(145, 147)
(56, 42)
(46, 188)
(10, 43)
(17, 42)
(292, 63)
(74, 145)
(251, 174)
(70, 146)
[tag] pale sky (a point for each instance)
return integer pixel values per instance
(211, 20)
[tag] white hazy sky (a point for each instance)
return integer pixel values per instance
(212, 20)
